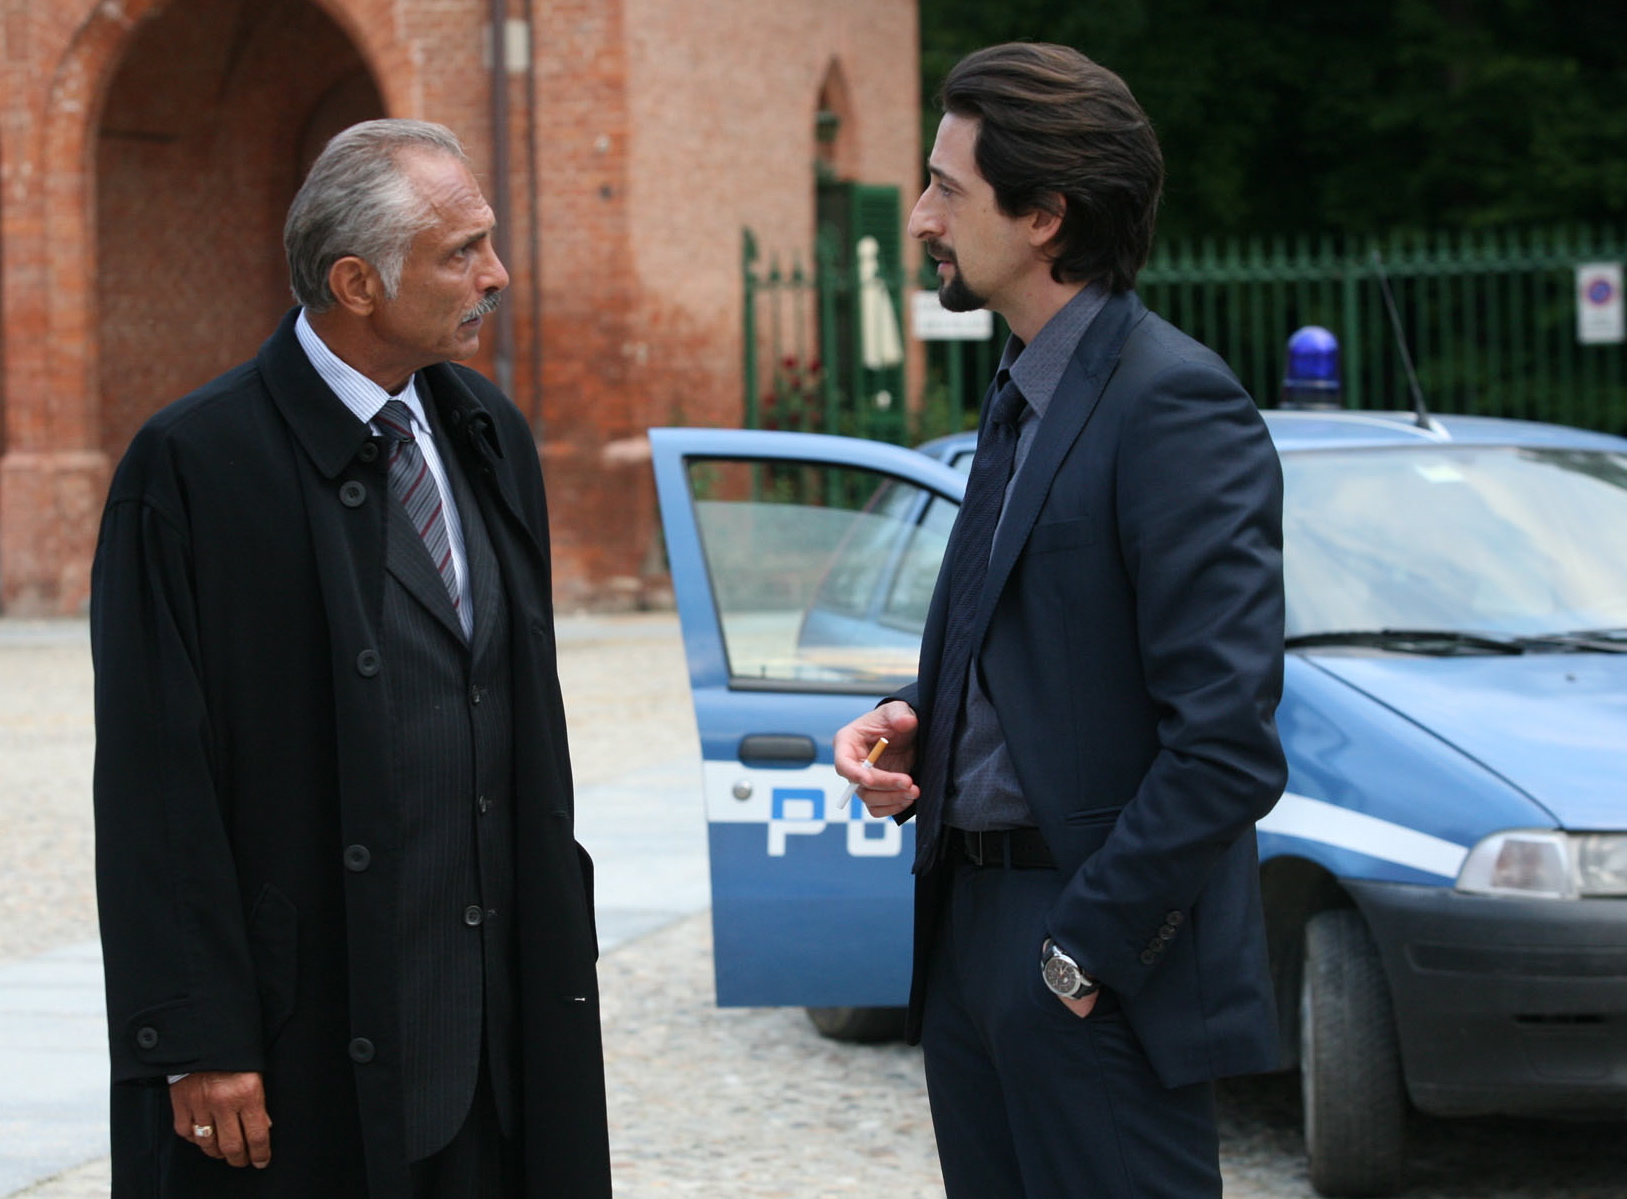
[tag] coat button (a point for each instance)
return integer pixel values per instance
(147, 1037)
(475, 692)
(473, 915)
(1156, 945)
(352, 494)
(367, 663)
(1167, 932)
(361, 1050)
(357, 858)
(1148, 957)
(1173, 917)
(369, 451)
(483, 804)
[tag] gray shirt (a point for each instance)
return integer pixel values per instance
(984, 792)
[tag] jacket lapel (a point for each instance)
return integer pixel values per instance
(325, 429)
(406, 557)
(484, 576)
(1070, 410)
(470, 435)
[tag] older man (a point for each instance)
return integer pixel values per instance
(348, 932)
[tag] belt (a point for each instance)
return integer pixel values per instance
(1013, 848)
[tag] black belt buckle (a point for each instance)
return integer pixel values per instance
(1012, 849)
(977, 847)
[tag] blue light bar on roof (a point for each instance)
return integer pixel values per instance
(1312, 377)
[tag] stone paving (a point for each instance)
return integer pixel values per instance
(725, 1103)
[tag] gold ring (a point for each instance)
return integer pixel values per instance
(203, 1131)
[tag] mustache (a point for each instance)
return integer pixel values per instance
(940, 252)
(486, 307)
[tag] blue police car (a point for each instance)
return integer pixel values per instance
(1445, 878)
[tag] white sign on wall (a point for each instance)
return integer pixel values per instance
(1598, 304)
(931, 321)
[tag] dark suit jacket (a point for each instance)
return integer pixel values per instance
(1133, 650)
(249, 862)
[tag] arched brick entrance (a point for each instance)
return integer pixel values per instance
(148, 175)
(213, 114)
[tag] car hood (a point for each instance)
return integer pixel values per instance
(1553, 725)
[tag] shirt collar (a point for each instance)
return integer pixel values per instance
(1038, 367)
(363, 397)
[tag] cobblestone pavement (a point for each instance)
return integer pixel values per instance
(726, 1103)
(46, 739)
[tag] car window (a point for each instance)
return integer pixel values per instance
(821, 574)
(1506, 540)
(910, 586)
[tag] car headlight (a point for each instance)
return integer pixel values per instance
(1547, 864)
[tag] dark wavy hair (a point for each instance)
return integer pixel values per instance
(1059, 133)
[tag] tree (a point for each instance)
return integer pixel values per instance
(1348, 118)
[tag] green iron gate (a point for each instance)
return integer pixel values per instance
(1489, 316)
(824, 346)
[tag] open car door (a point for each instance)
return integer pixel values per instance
(803, 565)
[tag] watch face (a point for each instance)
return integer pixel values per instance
(1061, 975)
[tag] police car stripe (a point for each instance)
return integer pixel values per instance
(789, 795)
(1314, 820)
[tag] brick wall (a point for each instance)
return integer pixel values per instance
(148, 151)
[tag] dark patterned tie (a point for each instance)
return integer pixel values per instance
(415, 487)
(973, 540)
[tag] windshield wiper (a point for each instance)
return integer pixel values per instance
(1599, 641)
(1438, 642)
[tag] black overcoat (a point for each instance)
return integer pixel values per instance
(247, 851)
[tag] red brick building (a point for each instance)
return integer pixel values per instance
(149, 149)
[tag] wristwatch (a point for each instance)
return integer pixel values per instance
(1062, 974)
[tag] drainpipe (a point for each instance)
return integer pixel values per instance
(503, 350)
(532, 201)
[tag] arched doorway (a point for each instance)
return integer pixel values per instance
(835, 142)
(214, 113)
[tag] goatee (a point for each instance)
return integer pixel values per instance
(954, 295)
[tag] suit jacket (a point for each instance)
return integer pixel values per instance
(249, 843)
(1132, 646)
(452, 725)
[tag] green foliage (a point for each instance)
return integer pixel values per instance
(1353, 117)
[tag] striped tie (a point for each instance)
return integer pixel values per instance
(415, 487)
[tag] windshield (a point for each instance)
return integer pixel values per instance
(1503, 540)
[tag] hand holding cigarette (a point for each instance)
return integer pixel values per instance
(876, 753)
(870, 760)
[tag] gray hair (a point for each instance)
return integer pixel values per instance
(358, 201)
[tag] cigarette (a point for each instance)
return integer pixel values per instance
(875, 752)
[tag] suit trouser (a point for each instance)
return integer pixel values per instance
(480, 1162)
(1028, 1100)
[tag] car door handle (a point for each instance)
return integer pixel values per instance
(783, 750)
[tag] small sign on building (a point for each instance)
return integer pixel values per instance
(1598, 304)
(931, 321)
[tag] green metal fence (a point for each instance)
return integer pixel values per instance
(781, 323)
(824, 347)
(1490, 316)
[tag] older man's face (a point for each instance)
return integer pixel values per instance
(452, 277)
